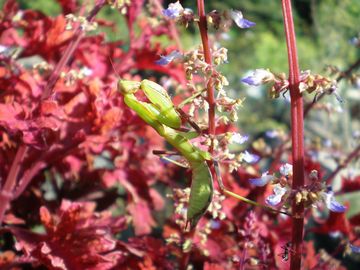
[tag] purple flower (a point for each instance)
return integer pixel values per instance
(250, 158)
(354, 41)
(332, 204)
(263, 180)
(3, 48)
(336, 206)
(215, 224)
(238, 18)
(174, 10)
(258, 77)
(272, 134)
(166, 59)
(328, 143)
(355, 249)
(86, 71)
(238, 138)
(335, 234)
(275, 198)
(6, 51)
(286, 169)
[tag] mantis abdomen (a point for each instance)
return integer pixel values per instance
(201, 192)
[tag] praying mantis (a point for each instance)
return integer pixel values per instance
(161, 114)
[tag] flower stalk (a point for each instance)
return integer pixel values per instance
(297, 134)
(207, 55)
(342, 75)
(211, 101)
(7, 189)
(353, 155)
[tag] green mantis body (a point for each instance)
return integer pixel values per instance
(161, 115)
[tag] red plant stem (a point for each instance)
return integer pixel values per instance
(243, 259)
(297, 134)
(27, 177)
(342, 75)
(10, 182)
(78, 35)
(7, 190)
(207, 55)
(354, 154)
(184, 260)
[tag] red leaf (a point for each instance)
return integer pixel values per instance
(154, 254)
(142, 218)
(10, 8)
(157, 200)
(133, 11)
(11, 219)
(336, 222)
(213, 266)
(350, 184)
(310, 260)
(68, 6)
(77, 238)
(6, 258)
(9, 117)
(145, 60)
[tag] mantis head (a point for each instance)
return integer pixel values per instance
(128, 87)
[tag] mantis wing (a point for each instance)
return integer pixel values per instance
(160, 98)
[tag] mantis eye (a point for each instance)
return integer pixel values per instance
(128, 87)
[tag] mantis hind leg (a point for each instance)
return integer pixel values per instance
(164, 155)
(241, 198)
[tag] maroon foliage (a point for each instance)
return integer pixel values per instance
(76, 238)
